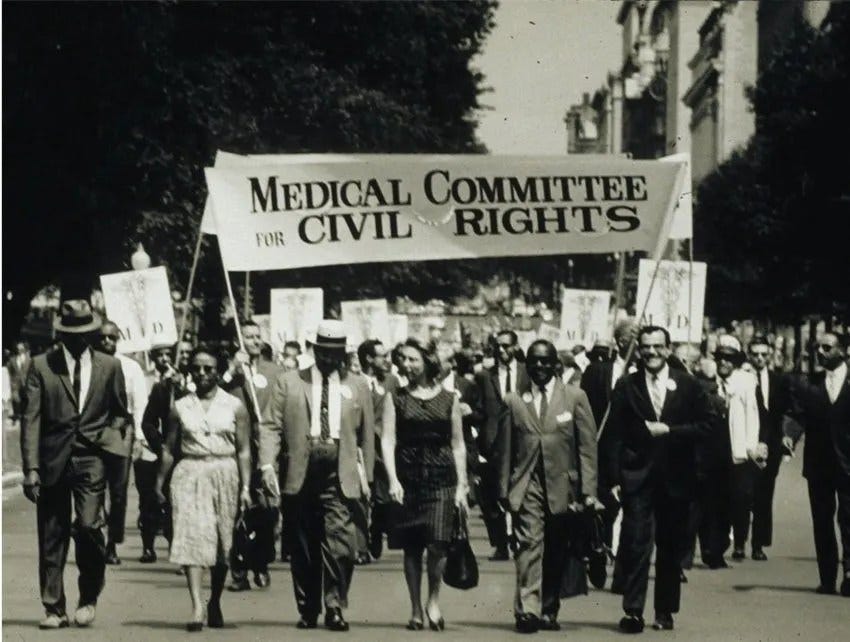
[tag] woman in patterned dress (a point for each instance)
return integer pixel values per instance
(425, 457)
(209, 431)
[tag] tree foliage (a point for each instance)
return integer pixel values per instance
(112, 110)
(773, 221)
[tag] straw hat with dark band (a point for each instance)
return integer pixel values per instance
(330, 335)
(76, 317)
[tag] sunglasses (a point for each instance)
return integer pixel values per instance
(825, 347)
(203, 368)
(112, 337)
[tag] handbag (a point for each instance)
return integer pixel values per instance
(461, 570)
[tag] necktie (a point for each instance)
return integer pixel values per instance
(544, 404)
(655, 393)
(77, 380)
(507, 379)
(324, 419)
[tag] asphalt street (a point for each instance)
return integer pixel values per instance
(771, 600)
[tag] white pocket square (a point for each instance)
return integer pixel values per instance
(564, 417)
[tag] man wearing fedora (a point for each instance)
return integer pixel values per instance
(75, 414)
(321, 416)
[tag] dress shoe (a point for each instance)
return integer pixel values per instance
(683, 579)
(845, 586)
(739, 555)
(215, 619)
(54, 621)
(194, 627)
(148, 556)
(826, 590)
(549, 623)
(414, 625)
(362, 560)
(112, 555)
(334, 620)
(240, 585)
(527, 623)
(716, 563)
(631, 624)
(84, 615)
(306, 623)
(663, 622)
(262, 579)
(758, 555)
(500, 555)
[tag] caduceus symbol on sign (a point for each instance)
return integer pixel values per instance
(134, 286)
(672, 279)
(585, 303)
(297, 304)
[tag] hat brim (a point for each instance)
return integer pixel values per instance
(328, 345)
(91, 326)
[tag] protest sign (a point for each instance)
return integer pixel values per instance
(585, 316)
(366, 319)
(682, 226)
(667, 305)
(552, 334)
(388, 208)
(398, 329)
(139, 303)
(295, 313)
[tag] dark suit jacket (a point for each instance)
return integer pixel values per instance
(826, 425)
(771, 419)
(565, 439)
(491, 404)
(51, 420)
(666, 463)
(292, 408)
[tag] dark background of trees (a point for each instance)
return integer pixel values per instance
(773, 221)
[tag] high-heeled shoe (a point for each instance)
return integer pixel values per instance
(415, 625)
(438, 625)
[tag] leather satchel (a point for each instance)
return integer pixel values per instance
(461, 570)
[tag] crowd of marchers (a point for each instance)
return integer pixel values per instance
(336, 451)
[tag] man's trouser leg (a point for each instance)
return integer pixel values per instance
(823, 504)
(743, 488)
(117, 477)
(763, 507)
(670, 539)
(491, 511)
(635, 549)
(529, 529)
(88, 485)
(145, 474)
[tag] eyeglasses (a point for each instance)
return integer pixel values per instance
(202, 368)
(826, 347)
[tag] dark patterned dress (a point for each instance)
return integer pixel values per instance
(426, 469)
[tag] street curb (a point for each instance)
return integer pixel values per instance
(12, 478)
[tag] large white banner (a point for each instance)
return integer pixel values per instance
(366, 319)
(667, 305)
(295, 313)
(682, 226)
(372, 208)
(139, 302)
(585, 317)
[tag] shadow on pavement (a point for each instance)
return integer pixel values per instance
(773, 587)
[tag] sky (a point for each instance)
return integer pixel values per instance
(539, 58)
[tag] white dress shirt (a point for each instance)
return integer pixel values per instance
(834, 381)
(334, 403)
(137, 397)
(85, 373)
(503, 375)
(658, 381)
(537, 395)
(743, 413)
